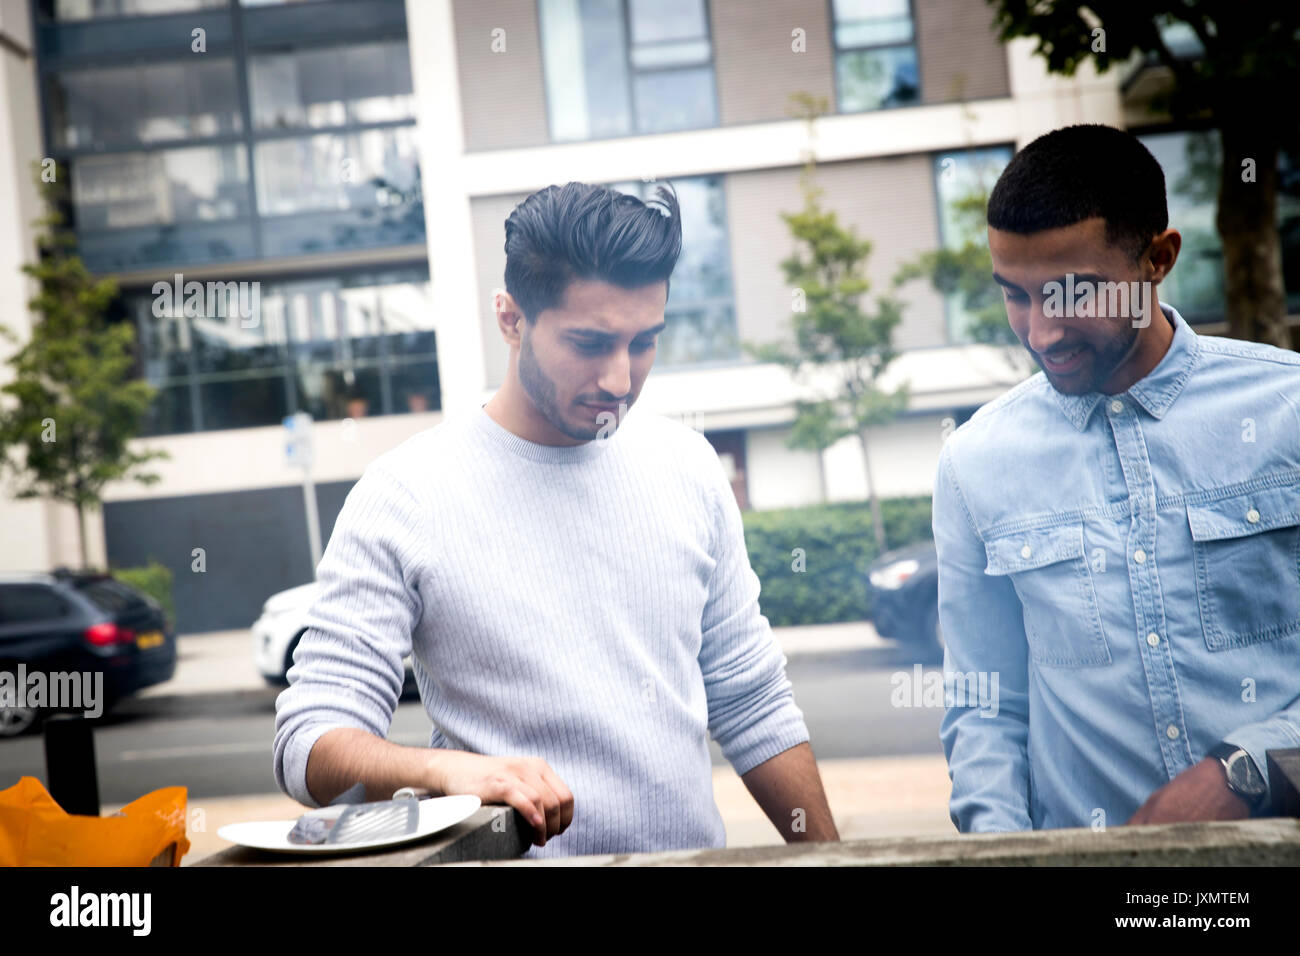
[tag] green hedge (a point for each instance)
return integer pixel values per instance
(154, 579)
(838, 546)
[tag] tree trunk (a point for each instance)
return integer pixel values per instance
(81, 534)
(877, 520)
(1247, 223)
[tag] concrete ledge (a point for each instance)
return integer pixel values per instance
(1268, 842)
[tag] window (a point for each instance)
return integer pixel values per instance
(875, 54)
(963, 181)
(623, 67)
(143, 104)
(94, 9)
(701, 312)
(336, 347)
(30, 604)
(294, 136)
(331, 86)
(339, 191)
(1191, 161)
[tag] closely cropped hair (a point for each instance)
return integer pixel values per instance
(581, 231)
(1080, 172)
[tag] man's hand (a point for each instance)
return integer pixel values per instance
(526, 783)
(1200, 792)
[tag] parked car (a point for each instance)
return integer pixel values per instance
(903, 587)
(282, 624)
(67, 621)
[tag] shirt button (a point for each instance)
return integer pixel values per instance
(1139, 556)
(1153, 639)
(1171, 732)
(1252, 516)
(1117, 406)
(1026, 551)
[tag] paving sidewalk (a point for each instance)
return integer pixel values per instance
(221, 662)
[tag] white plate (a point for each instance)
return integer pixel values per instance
(436, 814)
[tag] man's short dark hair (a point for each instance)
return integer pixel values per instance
(1080, 172)
(581, 231)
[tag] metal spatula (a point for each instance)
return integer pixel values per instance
(347, 822)
(364, 822)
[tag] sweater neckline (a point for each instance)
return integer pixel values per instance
(507, 440)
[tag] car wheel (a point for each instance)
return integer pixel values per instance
(15, 721)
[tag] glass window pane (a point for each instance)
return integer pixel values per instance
(90, 9)
(654, 21)
(685, 53)
(365, 83)
(171, 411)
(876, 79)
(584, 53)
(1191, 165)
(144, 104)
(243, 401)
(675, 99)
(963, 180)
(371, 169)
(872, 22)
(169, 186)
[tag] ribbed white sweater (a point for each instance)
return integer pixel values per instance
(591, 605)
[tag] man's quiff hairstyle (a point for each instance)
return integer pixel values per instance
(581, 231)
(1078, 173)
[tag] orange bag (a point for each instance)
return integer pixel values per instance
(36, 831)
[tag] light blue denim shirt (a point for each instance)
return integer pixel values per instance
(1127, 568)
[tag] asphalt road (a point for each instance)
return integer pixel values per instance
(221, 747)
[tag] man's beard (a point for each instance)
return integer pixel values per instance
(542, 391)
(1105, 362)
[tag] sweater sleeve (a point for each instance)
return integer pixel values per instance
(348, 668)
(752, 713)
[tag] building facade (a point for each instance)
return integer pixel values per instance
(346, 167)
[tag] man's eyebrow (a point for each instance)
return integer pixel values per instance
(1006, 282)
(655, 331)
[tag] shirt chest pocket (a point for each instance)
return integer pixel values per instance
(1246, 553)
(1050, 573)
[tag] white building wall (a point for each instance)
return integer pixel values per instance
(780, 477)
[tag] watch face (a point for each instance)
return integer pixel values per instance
(1243, 775)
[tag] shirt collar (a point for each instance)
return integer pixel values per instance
(1158, 389)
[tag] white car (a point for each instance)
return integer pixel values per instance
(276, 633)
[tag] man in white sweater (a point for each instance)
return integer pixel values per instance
(572, 585)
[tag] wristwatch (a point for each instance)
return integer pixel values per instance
(1244, 778)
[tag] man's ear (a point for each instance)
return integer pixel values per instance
(510, 318)
(1163, 253)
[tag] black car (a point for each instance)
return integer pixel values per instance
(903, 588)
(65, 623)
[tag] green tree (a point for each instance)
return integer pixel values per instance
(74, 402)
(836, 340)
(1249, 55)
(965, 270)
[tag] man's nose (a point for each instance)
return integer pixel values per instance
(616, 377)
(1045, 331)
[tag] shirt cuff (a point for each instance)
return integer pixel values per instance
(775, 734)
(291, 770)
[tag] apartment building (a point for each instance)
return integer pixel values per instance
(353, 162)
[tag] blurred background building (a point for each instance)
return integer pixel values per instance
(357, 159)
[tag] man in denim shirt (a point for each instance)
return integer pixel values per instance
(1118, 536)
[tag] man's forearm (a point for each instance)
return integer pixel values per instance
(345, 756)
(789, 789)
